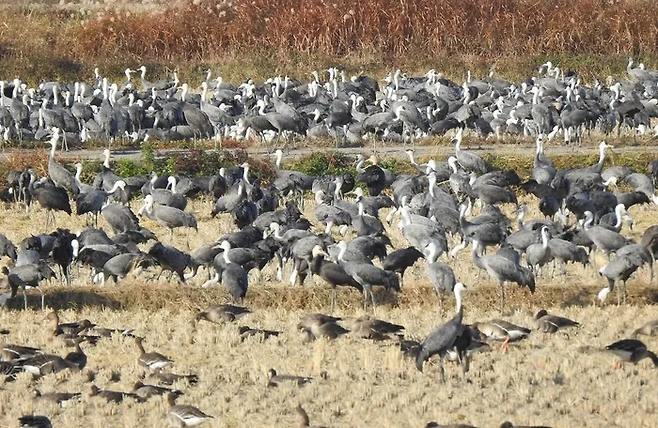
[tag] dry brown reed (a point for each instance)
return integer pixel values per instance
(281, 33)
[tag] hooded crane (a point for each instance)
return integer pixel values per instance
(291, 182)
(28, 276)
(440, 274)
(502, 269)
(332, 273)
(368, 275)
(169, 217)
(58, 174)
(49, 196)
(445, 338)
(92, 202)
(467, 160)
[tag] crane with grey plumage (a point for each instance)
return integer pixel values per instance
(503, 270)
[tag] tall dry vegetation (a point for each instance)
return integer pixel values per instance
(392, 30)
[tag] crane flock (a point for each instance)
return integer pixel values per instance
(347, 241)
(398, 109)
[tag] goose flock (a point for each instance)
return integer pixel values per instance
(400, 110)
(346, 243)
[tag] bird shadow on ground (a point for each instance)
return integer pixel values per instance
(579, 299)
(386, 297)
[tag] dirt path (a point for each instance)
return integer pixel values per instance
(390, 151)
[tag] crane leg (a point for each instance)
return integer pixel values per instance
(443, 372)
(24, 299)
(502, 297)
(618, 296)
(333, 298)
(624, 292)
(43, 298)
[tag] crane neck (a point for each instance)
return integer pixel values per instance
(53, 142)
(115, 188)
(342, 251)
(226, 258)
(431, 253)
(279, 158)
(477, 259)
(106, 162)
(544, 238)
(458, 300)
(618, 215)
(588, 221)
(359, 166)
(411, 158)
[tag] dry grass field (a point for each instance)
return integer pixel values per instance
(561, 380)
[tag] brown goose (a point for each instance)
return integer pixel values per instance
(69, 332)
(77, 357)
(60, 398)
(274, 379)
(631, 350)
(548, 323)
(222, 313)
(437, 425)
(315, 326)
(152, 360)
(182, 415)
(246, 332)
(31, 421)
(316, 319)
(171, 378)
(508, 424)
(9, 370)
(371, 328)
(147, 391)
(501, 330)
(110, 396)
(18, 352)
(70, 327)
(305, 422)
(44, 364)
(647, 329)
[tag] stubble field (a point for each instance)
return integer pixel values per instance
(561, 380)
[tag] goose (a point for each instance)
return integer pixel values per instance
(246, 332)
(62, 399)
(184, 415)
(110, 396)
(647, 329)
(274, 379)
(33, 421)
(305, 421)
(222, 313)
(144, 392)
(152, 360)
(370, 328)
(501, 330)
(631, 350)
(548, 323)
(171, 378)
